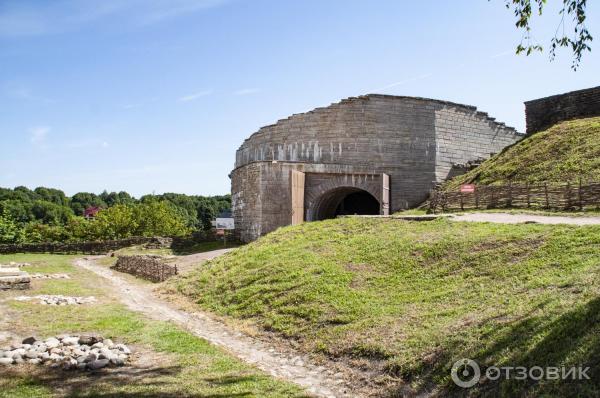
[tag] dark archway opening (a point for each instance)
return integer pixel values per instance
(346, 201)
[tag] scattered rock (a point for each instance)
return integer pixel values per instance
(70, 341)
(13, 264)
(58, 299)
(29, 340)
(90, 340)
(52, 343)
(98, 364)
(49, 276)
(31, 354)
(67, 352)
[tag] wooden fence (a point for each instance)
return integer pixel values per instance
(566, 196)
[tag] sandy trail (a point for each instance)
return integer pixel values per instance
(506, 218)
(294, 367)
(186, 263)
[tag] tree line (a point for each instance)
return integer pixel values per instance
(48, 215)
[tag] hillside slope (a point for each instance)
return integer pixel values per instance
(407, 299)
(564, 152)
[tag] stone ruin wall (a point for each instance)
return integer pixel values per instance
(152, 268)
(97, 247)
(543, 113)
(414, 140)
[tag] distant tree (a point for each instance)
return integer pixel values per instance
(52, 195)
(20, 211)
(160, 218)
(116, 222)
(83, 200)
(51, 213)
(184, 204)
(153, 218)
(125, 199)
(36, 232)
(573, 12)
(10, 232)
(47, 214)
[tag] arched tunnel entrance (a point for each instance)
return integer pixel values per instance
(345, 201)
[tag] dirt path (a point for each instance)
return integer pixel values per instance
(186, 263)
(294, 367)
(506, 218)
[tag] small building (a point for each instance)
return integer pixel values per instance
(91, 212)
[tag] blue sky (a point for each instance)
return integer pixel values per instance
(156, 95)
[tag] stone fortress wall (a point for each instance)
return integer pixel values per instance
(353, 144)
(545, 112)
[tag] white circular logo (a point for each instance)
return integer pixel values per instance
(465, 373)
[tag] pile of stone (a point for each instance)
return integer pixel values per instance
(68, 352)
(13, 264)
(49, 276)
(58, 299)
(14, 279)
(149, 267)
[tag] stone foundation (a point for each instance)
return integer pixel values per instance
(14, 279)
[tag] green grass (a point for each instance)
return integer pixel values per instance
(205, 247)
(182, 365)
(41, 263)
(564, 152)
(411, 298)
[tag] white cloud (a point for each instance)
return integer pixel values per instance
(22, 19)
(246, 91)
(38, 134)
(194, 96)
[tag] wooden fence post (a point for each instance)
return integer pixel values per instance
(568, 196)
(546, 193)
(528, 195)
(510, 195)
(580, 196)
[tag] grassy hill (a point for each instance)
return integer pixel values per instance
(564, 152)
(407, 299)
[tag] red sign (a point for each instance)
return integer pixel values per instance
(467, 188)
(220, 232)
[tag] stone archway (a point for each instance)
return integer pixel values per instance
(344, 201)
(327, 195)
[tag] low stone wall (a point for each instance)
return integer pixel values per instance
(148, 267)
(103, 247)
(14, 279)
(98, 247)
(545, 112)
